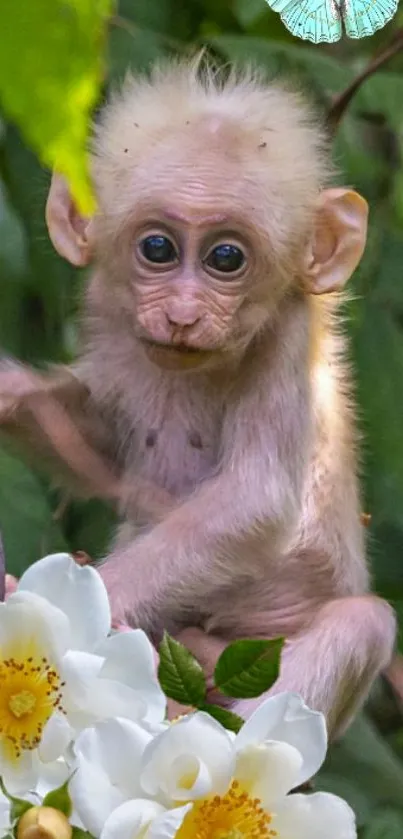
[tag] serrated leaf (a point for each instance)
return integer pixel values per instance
(228, 719)
(18, 805)
(59, 799)
(180, 674)
(247, 668)
(51, 93)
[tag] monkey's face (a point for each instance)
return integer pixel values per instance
(196, 245)
(191, 272)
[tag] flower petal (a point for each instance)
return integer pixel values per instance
(78, 591)
(4, 817)
(79, 671)
(268, 771)
(167, 825)
(313, 817)
(129, 659)
(52, 776)
(116, 747)
(107, 764)
(56, 736)
(26, 618)
(129, 820)
(93, 796)
(192, 758)
(20, 776)
(108, 698)
(287, 719)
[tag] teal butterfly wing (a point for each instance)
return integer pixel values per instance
(312, 20)
(364, 17)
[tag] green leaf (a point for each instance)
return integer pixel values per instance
(386, 824)
(18, 805)
(26, 522)
(248, 11)
(228, 719)
(51, 93)
(363, 769)
(248, 668)
(49, 289)
(81, 834)
(180, 674)
(59, 799)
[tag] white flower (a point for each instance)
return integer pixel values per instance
(143, 818)
(201, 780)
(107, 770)
(59, 671)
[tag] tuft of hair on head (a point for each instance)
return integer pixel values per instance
(271, 121)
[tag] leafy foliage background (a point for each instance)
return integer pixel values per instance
(39, 294)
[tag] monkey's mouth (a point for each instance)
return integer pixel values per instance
(180, 355)
(182, 349)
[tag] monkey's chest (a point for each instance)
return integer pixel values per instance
(176, 454)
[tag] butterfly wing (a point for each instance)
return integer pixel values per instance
(364, 17)
(311, 20)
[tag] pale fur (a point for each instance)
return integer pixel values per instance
(265, 537)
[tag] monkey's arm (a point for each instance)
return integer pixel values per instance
(200, 547)
(46, 416)
(51, 419)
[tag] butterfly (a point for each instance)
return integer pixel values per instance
(326, 20)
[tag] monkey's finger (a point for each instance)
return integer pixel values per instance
(121, 627)
(11, 584)
(82, 558)
(176, 710)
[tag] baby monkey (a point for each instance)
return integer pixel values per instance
(212, 370)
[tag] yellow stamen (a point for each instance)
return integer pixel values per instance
(234, 815)
(30, 691)
(22, 703)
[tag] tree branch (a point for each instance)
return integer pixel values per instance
(342, 100)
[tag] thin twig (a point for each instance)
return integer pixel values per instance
(342, 100)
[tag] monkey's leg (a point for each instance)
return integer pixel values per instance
(333, 664)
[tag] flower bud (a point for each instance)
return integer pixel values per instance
(44, 823)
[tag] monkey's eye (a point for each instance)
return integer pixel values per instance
(226, 258)
(158, 249)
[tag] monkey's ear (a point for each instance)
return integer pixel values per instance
(338, 242)
(68, 230)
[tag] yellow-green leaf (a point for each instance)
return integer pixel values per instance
(51, 70)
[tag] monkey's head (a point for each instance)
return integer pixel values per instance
(212, 206)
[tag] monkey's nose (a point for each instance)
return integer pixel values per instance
(182, 322)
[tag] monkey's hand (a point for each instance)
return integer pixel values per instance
(20, 385)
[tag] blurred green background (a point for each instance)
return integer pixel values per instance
(39, 294)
